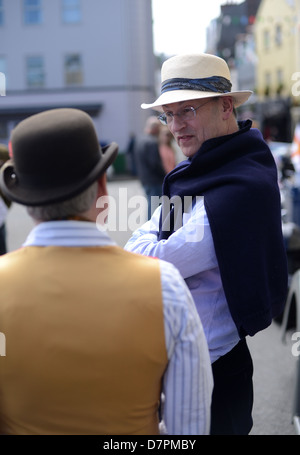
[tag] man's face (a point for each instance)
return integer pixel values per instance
(204, 123)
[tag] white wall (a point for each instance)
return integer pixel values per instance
(116, 43)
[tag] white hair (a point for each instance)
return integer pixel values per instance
(62, 210)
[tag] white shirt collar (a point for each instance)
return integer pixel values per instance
(68, 233)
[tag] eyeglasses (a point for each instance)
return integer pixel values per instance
(186, 114)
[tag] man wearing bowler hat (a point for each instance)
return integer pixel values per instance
(94, 334)
(4, 203)
(225, 234)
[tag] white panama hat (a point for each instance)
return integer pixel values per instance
(195, 76)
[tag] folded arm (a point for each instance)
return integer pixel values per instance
(190, 248)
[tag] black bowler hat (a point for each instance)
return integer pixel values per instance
(55, 155)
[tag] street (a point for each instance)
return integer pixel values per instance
(274, 382)
(274, 364)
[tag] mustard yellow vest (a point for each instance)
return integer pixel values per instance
(85, 347)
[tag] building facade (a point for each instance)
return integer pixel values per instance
(236, 19)
(231, 37)
(96, 55)
(277, 37)
(260, 39)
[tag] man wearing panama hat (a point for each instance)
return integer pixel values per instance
(224, 235)
(94, 334)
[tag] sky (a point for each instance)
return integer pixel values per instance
(179, 26)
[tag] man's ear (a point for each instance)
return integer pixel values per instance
(102, 187)
(227, 106)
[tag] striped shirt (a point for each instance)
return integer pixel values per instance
(187, 382)
(191, 250)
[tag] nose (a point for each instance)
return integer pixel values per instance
(177, 123)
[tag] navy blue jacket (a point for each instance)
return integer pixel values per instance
(237, 176)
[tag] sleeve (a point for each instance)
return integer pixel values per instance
(188, 382)
(190, 248)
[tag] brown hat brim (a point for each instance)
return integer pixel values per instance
(29, 196)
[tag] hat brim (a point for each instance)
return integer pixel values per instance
(12, 188)
(177, 96)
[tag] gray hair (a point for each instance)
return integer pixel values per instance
(62, 210)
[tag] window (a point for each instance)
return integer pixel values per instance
(1, 13)
(266, 39)
(267, 83)
(280, 85)
(278, 35)
(268, 78)
(279, 76)
(73, 69)
(35, 72)
(32, 11)
(71, 11)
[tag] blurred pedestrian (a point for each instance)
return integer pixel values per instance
(150, 169)
(95, 335)
(131, 155)
(225, 233)
(166, 149)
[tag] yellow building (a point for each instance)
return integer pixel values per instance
(277, 37)
(277, 40)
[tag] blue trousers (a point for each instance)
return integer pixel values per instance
(232, 399)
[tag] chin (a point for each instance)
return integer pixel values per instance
(188, 152)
